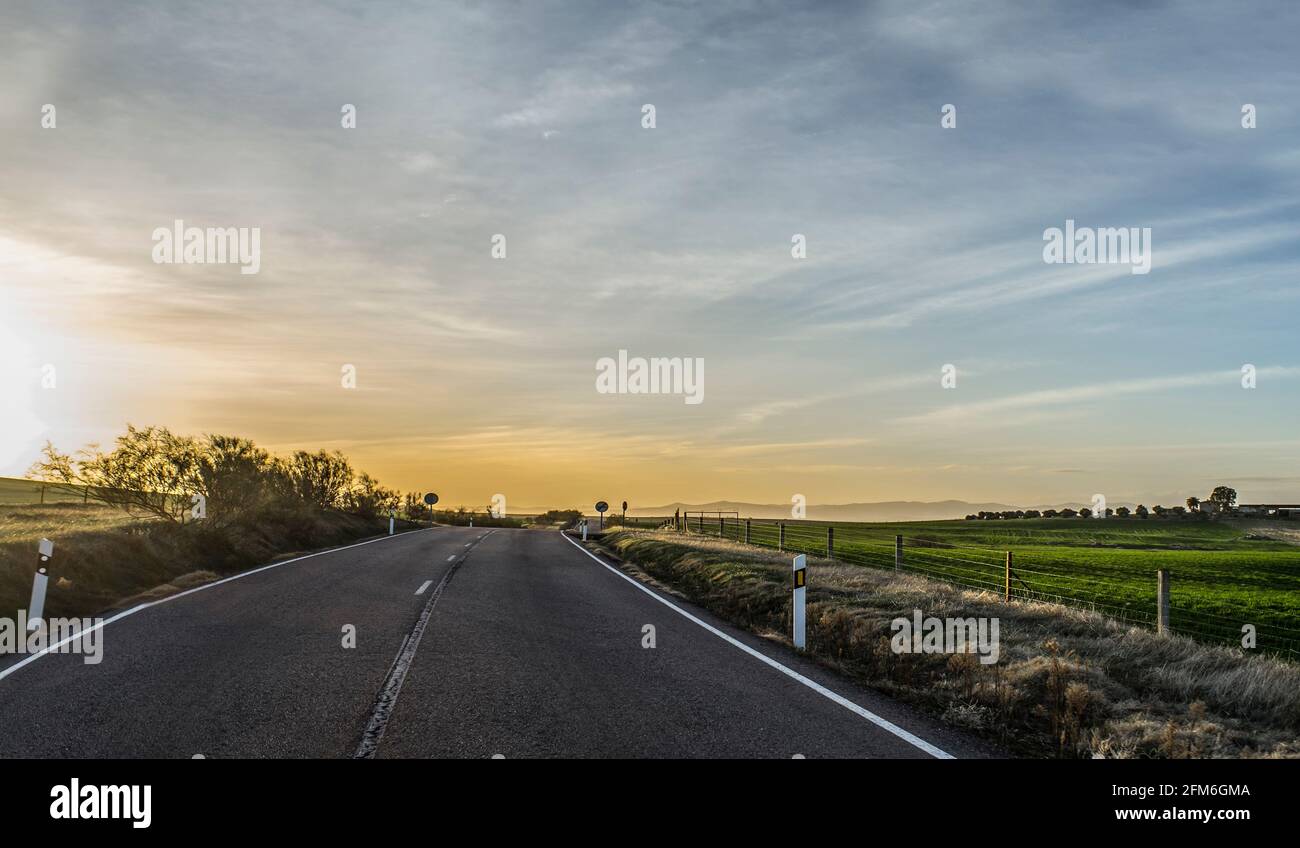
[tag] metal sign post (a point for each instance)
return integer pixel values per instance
(601, 506)
(431, 499)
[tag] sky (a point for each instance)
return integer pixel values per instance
(823, 375)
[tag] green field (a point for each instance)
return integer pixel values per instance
(1224, 574)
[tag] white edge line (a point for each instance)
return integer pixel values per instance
(882, 723)
(425, 585)
(133, 610)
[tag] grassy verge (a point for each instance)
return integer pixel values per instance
(1068, 683)
(103, 558)
(17, 491)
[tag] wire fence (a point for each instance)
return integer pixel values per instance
(1130, 595)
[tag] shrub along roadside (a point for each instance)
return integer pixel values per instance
(1067, 683)
(95, 570)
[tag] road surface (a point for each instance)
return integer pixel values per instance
(469, 642)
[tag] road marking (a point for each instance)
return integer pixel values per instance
(467, 544)
(882, 723)
(423, 586)
(386, 700)
(450, 558)
(5, 672)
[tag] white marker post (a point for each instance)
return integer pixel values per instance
(36, 609)
(391, 516)
(584, 529)
(800, 591)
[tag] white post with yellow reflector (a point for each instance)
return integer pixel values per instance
(800, 593)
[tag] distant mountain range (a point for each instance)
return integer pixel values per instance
(879, 511)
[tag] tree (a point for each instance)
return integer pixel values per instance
(58, 470)
(235, 476)
(1224, 496)
(1193, 504)
(413, 506)
(1142, 511)
(150, 470)
(1122, 512)
(1069, 512)
(1085, 513)
(367, 498)
(322, 478)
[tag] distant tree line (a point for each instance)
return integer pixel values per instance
(1224, 499)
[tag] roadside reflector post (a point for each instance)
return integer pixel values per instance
(1162, 602)
(36, 609)
(830, 542)
(392, 514)
(800, 591)
(780, 536)
(1006, 594)
(898, 553)
(584, 529)
(746, 531)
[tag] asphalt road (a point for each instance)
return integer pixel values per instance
(469, 643)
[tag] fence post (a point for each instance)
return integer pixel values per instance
(898, 553)
(701, 522)
(722, 527)
(830, 542)
(780, 536)
(746, 531)
(1007, 594)
(1162, 602)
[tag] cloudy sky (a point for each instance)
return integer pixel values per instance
(476, 375)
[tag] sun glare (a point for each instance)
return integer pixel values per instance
(20, 379)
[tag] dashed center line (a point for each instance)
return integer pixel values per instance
(425, 585)
(387, 698)
(450, 558)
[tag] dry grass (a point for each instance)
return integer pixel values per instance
(104, 558)
(1068, 683)
(28, 524)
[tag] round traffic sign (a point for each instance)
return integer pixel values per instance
(601, 506)
(625, 506)
(431, 499)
